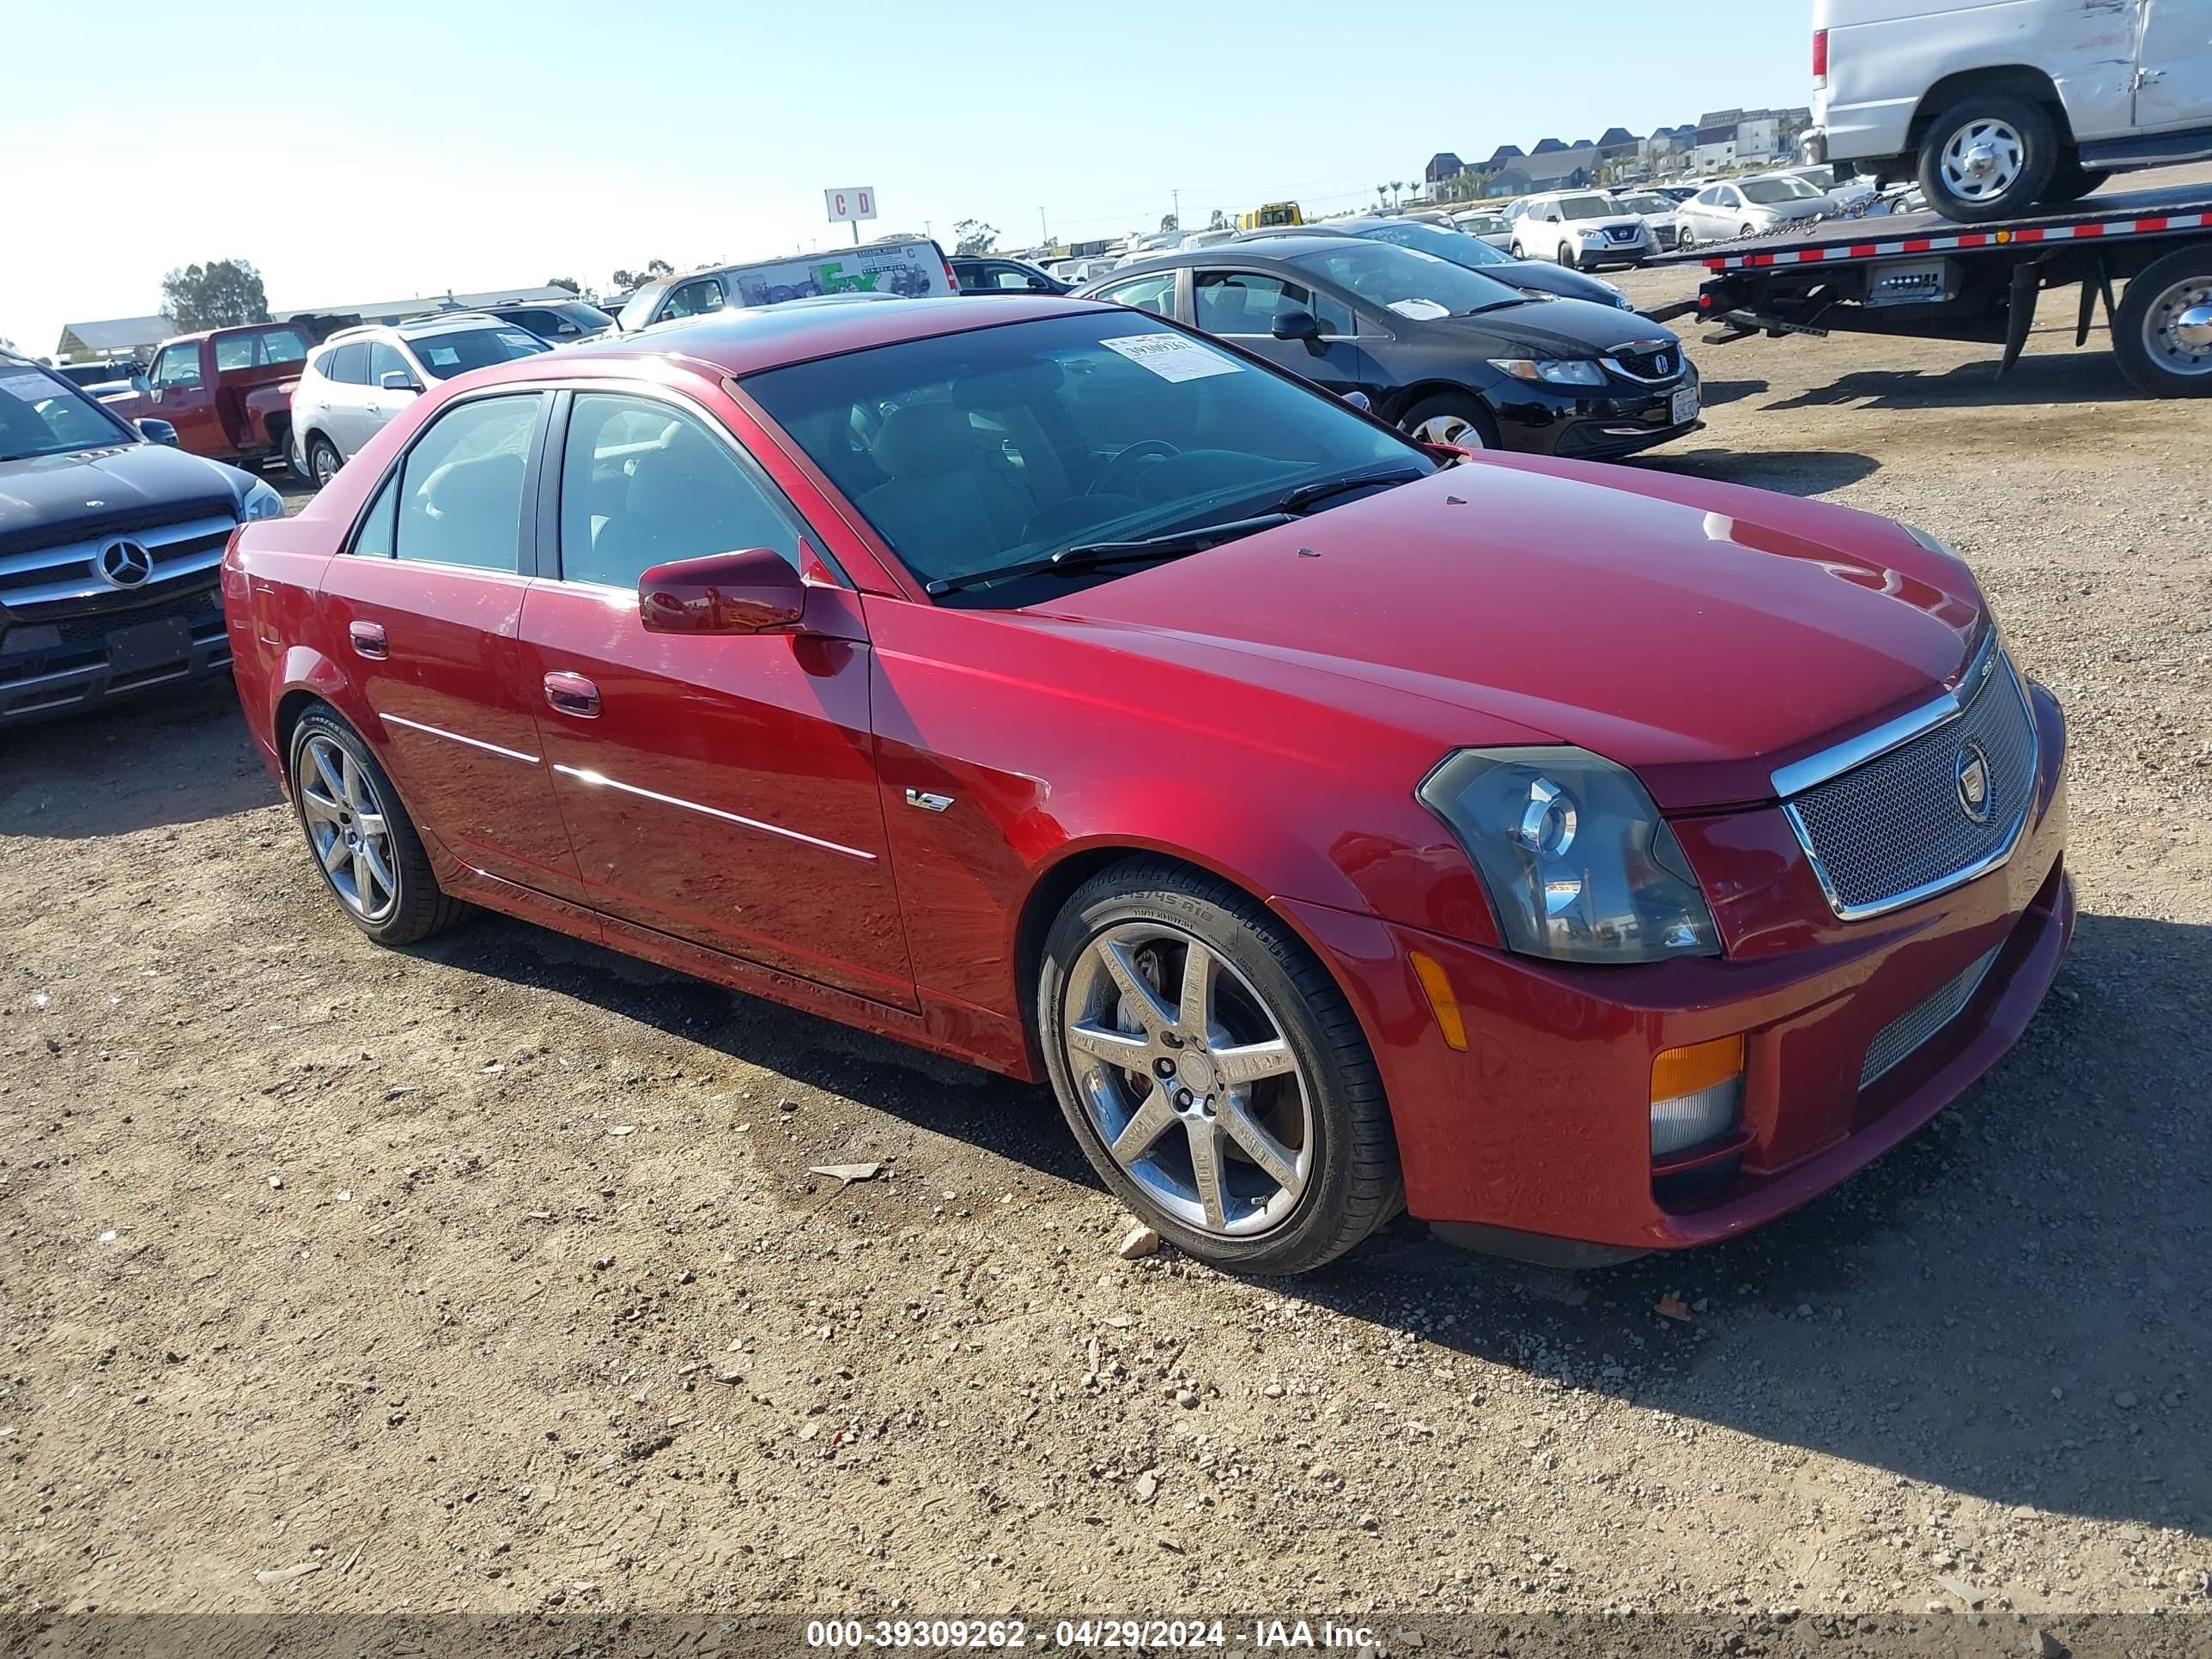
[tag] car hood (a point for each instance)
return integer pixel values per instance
(1615, 221)
(1559, 326)
(1789, 213)
(44, 499)
(1702, 635)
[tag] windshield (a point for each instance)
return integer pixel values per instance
(1781, 188)
(1587, 207)
(445, 355)
(1461, 250)
(975, 452)
(41, 415)
(639, 311)
(1415, 284)
(1646, 203)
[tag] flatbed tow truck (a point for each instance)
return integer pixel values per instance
(2145, 255)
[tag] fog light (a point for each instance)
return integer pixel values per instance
(1697, 1094)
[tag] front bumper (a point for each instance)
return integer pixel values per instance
(67, 664)
(1591, 423)
(1539, 1132)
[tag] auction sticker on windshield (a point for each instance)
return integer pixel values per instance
(1172, 357)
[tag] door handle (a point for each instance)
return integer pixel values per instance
(368, 640)
(573, 695)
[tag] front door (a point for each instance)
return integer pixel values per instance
(180, 395)
(423, 611)
(721, 788)
(2173, 67)
(1241, 305)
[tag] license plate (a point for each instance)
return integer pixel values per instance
(148, 645)
(1686, 405)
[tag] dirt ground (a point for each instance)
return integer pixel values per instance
(490, 1277)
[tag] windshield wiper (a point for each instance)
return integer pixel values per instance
(1309, 495)
(1091, 556)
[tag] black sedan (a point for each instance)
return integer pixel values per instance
(1529, 275)
(1447, 354)
(997, 274)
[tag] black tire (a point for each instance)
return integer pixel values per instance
(2131, 347)
(1515, 250)
(1684, 239)
(1464, 404)
(323, 460)
(2039, 146)
(1567, 256)
(421, 908)
(2071, 181)
(1354, 1185)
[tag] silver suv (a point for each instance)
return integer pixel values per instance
(360, 378)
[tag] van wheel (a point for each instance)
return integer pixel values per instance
(1988, 157)
(323, 460)
(2162, 332)
(1212, 1073)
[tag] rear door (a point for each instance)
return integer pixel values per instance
(719, 788)
(2173, 75)
(345, 408)
(183, 394)
(424, 611)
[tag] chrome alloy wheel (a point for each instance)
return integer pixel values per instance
(347, 826)
(2178, 327)
(1455, 429)
(1983, 159)
(1194, 1090)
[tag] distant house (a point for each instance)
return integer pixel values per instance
(1441, 166)
(1547, 146)
(1502, 156)
(117, 337)
(321, 320)
(1616, 142)
(1558, 168)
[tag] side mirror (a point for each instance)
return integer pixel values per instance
(393, 379)
(140, 385)
(755, 591)
(157, 431)
(1360, 401)
(1296, 326)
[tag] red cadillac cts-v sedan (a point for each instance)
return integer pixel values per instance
(1591, 861)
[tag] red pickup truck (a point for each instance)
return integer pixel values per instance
(228, 391)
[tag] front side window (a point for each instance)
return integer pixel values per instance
(1154, 293)
(460, 491)
(975, 452)
(445, 355)
(1247, 302)
(385, 360)
(694, 299)
(644, 484)
(179, 366)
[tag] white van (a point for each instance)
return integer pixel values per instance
(1995, 105)
(908, 267)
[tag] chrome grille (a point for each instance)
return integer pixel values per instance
(1892, 831)
(1917, 1024)
(1651, 360)
(48, 581)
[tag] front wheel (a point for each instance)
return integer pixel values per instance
(2162, 332)
(1212, 1072)
(1451, 418)
(1567, 256)
(362, 841)
(1988, 157)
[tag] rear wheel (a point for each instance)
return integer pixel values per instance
(361, 840)
(1212, 1073)
(2162, 332)
(1987, 157)
(323, 460)
(1451, 417)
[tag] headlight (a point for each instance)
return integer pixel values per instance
(1572, 371)
(261, 502)
(1577, 862)
(1593, 236)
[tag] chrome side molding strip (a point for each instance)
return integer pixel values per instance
(600, 780)
(455, 737)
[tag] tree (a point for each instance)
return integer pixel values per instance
(1397, 188)
(1218, 222)
(637, 278)
(215, 295)
(973, 238)
(1168, 221)
(1382, 194)
(568, 283)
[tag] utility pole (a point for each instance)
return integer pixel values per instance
(1177, 195)
(1043, 229)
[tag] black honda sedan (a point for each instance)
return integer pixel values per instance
(1447, 354)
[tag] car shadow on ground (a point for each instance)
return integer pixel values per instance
(1718, 393)
(2008, 1305)
(141, 764)
(2055, 378)
(1791, 471)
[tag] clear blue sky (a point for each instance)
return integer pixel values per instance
(374, 151)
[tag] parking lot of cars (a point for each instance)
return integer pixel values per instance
(506, 1274)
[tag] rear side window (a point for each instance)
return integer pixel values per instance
(375, 541)
(236, 352)
(350, 366)
(643, 483)
(460, 491)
